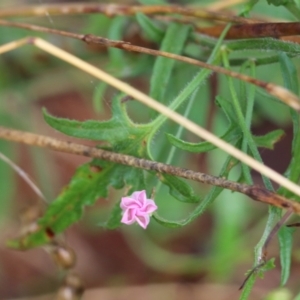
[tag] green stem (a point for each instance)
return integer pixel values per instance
(241, 119)
(250, 96)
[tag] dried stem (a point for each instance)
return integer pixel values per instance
(166, 111)
(112, 10)
(279, 92)
(24, 175)
(259, 30)
(255, 192)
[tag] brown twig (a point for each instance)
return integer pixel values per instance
(259, 30)
(112, 10)
(255, 192)
(287, 31)
(279, 92)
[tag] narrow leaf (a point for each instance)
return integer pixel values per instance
(174, 40)
(231, 134)
(203, 205)
(179, 189)
(285, 237)
(117, 59)
(227, 108)
(150, 28)
(269, 140)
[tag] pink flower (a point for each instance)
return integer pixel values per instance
(137, 208)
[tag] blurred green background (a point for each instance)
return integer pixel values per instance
(213, 252)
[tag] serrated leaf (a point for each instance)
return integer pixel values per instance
(285, 237)
(269, 140)
(89, 183)
(119, 131)
(231, 134)
(114, 220)
(150, 28)
(179, 189)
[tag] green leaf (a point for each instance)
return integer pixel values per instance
(289, 73)
(163, 66)
(227, 108)
(90, 182)
(119, 131)
(285, 237)
(203, 205)
(114, 220)
(231, 134)
(150, 28)
(265, 44)
(269, 140)
(179, 189)
(117, 58)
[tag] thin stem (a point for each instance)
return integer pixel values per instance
(24, 175)
(255, 192)
(281, 93)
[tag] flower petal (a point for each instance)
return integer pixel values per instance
(143, 220)
(129, 216)
(128, 202)
(151, 206)
(140, 197)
